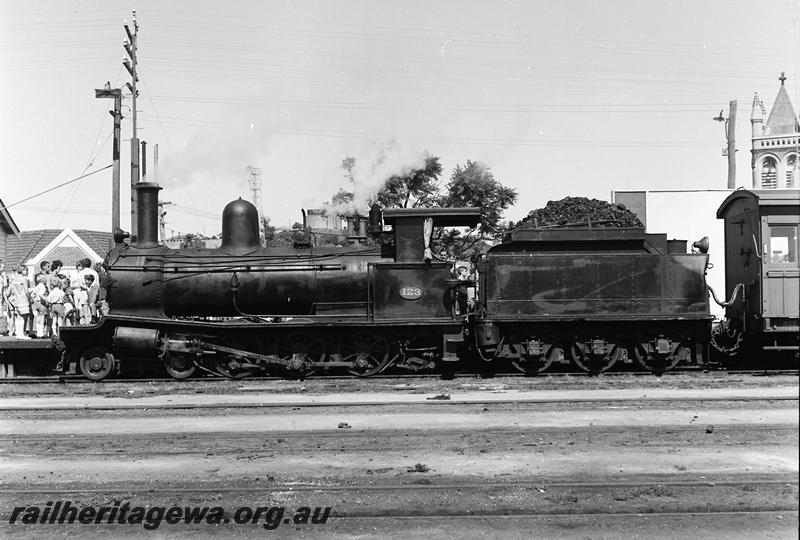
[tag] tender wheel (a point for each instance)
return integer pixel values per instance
(595, 356)
(660, 355)
(300, 348)
(97, 363)
(179, 366)
(534, 365)
(369, 351)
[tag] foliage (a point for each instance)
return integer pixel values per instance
(342, 197)
(193, 241)
(419, 188)
(470, 185)
(474, 185)
(269, 230)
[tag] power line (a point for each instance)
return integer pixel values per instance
(6, 207)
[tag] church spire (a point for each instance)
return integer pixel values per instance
(782, 119)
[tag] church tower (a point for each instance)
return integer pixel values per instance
(775, 143)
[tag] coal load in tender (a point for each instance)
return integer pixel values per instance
(580, 212)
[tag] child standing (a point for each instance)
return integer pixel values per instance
(40, 307)
(89, 312)
(19, 301)
(4, 318)
(69, 303)
(55, 298)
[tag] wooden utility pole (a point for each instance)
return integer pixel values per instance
(130, 48)
(116, 95)
(730, 135)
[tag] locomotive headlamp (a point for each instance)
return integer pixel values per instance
(701, 245)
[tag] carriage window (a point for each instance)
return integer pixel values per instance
(783, 244)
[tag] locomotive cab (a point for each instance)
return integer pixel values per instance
(415, 284)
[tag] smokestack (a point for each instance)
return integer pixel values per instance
(147, 214)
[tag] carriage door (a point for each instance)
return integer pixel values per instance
(780, 266)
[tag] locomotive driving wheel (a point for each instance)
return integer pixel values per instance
(368, 350)
(235, 367)
(97, 362)
(299, 349)
(179, 366)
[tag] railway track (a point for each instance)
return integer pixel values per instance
(74, 379)
(785, 480)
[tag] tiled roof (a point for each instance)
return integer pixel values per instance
(99, 241)
(30, 243)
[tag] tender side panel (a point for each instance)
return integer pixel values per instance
(594, 286)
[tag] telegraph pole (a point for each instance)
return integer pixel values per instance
(130, 65)
(116, 95)
(730, 134)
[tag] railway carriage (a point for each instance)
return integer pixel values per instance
(762, 272)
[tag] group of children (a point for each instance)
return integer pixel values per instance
(54, 300)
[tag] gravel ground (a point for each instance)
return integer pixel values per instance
(691, 380)
(419, 468)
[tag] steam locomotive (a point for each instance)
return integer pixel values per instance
(594, 298)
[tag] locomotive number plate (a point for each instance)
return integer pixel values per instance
(411, 292)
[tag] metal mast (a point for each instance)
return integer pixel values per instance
(255, 195)
(130, 65)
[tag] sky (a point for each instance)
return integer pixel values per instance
(558, 98)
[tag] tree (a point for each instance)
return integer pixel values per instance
(474, 185)
(192, 241)
(470, 185)
(269, 230)
(342, 197)
(419, 188)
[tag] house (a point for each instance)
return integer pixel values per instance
(8, 229)
(29, 248)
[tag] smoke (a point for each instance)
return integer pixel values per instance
(374, 165)
(211, 169)
(218, 157)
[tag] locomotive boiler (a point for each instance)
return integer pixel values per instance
(241, 308)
